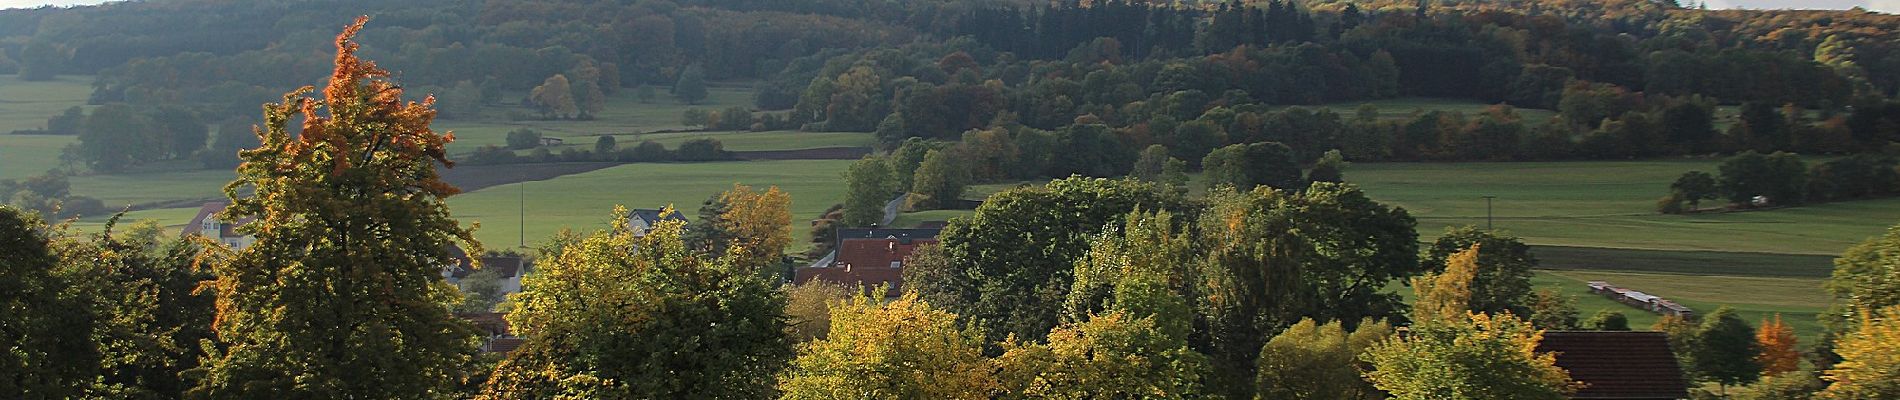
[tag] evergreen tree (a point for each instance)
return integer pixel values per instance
(341, 294)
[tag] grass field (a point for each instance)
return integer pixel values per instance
(623, 115)
(911, 219)
(1797, 300)
(584, 201)
(1610, 204)
(27, 105)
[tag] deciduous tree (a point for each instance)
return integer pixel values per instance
(1866, 278)
(1476, 356)
(1504, 282)
(1110, 356)
(868, 186)
(691, 86)
(903, 349)
(940, 181)
(614, 315)
(48, 355)
(760, 226)
(1870, 363)
(1312, 361)
(554, 98)
(341, 294)
(1778, 348)
(1724, 350)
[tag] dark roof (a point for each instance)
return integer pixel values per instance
(652, 215)
(1618, 365)
(505, 345)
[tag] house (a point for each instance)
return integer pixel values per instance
(206, 224)
(496, 335)
(870, 258)
(1618, 365)
(551, 141)
(509, 268)
(642, 220)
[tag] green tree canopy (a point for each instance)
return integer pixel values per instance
(1244, 166)
(691, 86)
(868, 186)
(1476, 357)
(1724, 350)
(613, 315)
(1504, 282)
(1866, 278)
(1311, 361)
(939, 181)
(903, 349)
(48, 355)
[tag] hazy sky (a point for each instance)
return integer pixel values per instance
(1878, 5)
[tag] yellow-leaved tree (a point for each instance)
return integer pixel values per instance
(341, 294)
(1870, 360)
(759, 224)
(1446, 295)
(903, 349)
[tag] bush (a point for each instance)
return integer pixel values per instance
(492, 155)
(703, 150)
(524, 138)
(649, 151)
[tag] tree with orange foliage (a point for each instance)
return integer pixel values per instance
(340, 296)
(759, 223)
(1778, 345)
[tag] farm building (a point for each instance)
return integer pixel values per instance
(206, 224)
(870, 258)
(642, 220)
(1645, 301)
(1618, 365)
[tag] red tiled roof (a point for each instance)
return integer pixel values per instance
(1618, 365)
(867, 262)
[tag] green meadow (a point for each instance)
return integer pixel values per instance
(27, 105)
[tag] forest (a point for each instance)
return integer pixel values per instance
(1194, 230)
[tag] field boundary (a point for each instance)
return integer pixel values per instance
(1687, 262)
(821, 153)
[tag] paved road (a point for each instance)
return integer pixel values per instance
(890, 214)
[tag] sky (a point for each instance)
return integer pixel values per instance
(1877, 5)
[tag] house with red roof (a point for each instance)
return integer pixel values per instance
(870, 258)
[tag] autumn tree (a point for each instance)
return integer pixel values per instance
(1447, 295)
(1779, 352)
(1473, 356)
(903, 349)
(1504, 283)
(868, 187)
(808, 308)
(614, 315)
(759, 224)
(1110, 356)
(341, 294)
(1313, 361)
(554, 98)
(1870, 363)
(48, 353)
(1724, 350)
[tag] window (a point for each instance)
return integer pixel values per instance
(897, 264)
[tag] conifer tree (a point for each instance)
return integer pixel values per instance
(340, 296)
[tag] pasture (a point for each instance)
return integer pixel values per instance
(584, 201)
(27, 105)
(1797, 300)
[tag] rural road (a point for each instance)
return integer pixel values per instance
(890, 214)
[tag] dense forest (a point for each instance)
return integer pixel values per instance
(1628, 78)
(1280, 280)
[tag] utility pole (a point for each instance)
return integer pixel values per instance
(522, 241)
(1488, 222)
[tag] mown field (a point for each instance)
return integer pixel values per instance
(27, 105)
(1797, 300)
(584, 201)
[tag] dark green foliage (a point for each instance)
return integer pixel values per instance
(1780, 178)
(159, 322)
(605, 145)
(1331, 167)
(48, 355)
(940, 181)
(1854, 177)
(1011, 264)
(703, 150)
(179, 129)
(1244, 166)
(1694, 187)
(116, 137)
(1551, 310)
(1606, 320)
(1724, 349)
(40, 61)
(1504, 268)
(524, 138)
(869, 184)
(691, 86)
(66, 123)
